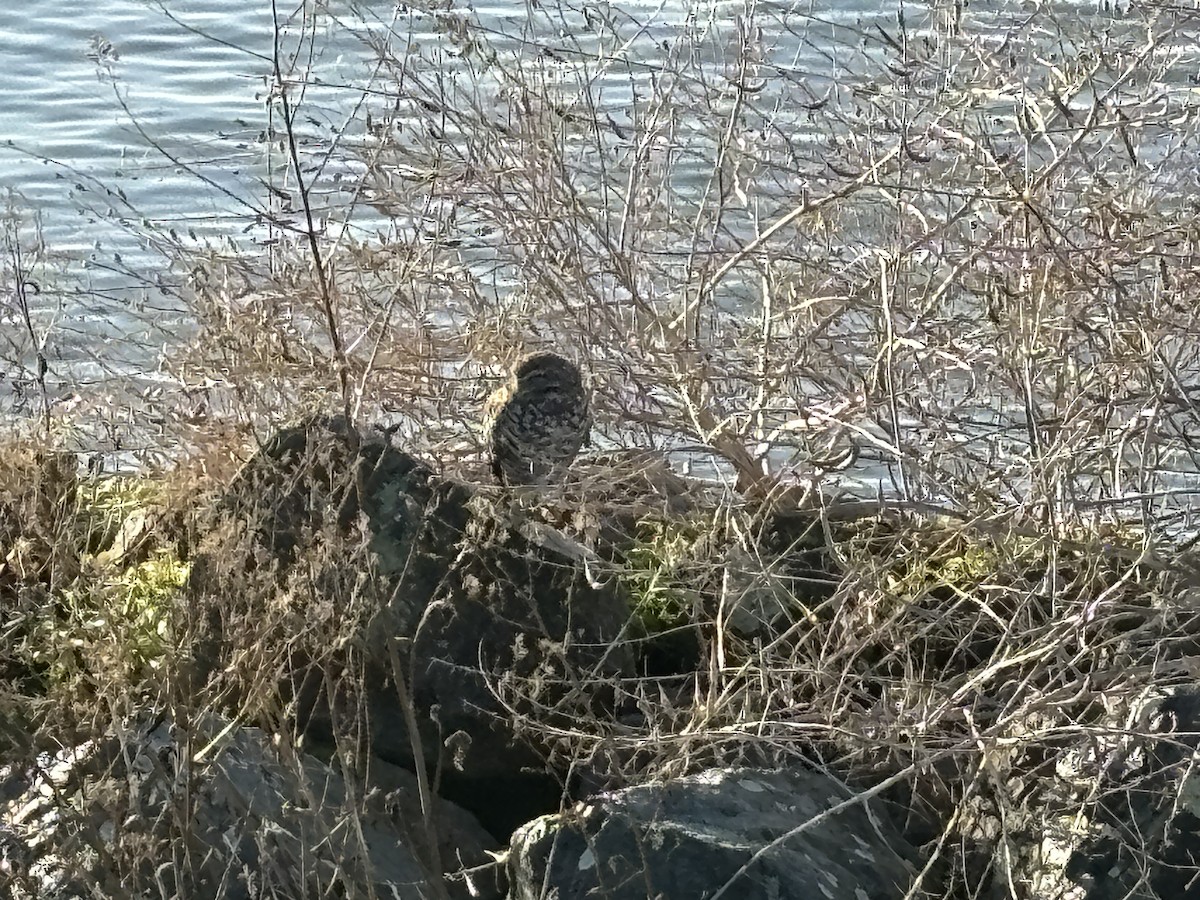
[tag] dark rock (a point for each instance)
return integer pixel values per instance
(323, 471)
(728, 832)
(1146, 825)
(795, 537)
(358, 577)
(224, 812)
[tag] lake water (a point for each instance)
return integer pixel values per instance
(126, 118)
(130, 126)
(88, 90)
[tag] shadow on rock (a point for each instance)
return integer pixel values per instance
(1147, 824)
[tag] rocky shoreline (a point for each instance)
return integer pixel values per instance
(382, 682)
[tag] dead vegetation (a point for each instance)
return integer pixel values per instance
(967, 248)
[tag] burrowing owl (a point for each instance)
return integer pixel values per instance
(537, 420)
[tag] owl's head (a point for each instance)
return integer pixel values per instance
(547, 367)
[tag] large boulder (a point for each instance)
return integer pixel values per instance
(744, 833)
(379, 596)
(1145, 828)
(227, 813)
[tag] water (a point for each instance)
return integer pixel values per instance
(134, 126)
(138, 132)
(89, 90)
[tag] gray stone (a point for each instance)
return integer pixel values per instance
(227, 813)
(1145, 840)
(741, 833)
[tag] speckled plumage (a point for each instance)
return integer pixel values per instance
(537, 420)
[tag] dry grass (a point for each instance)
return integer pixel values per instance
(970, 258)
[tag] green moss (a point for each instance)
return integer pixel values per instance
(143, 595)
(958, 564)
(654, 574)
(105, 503)
(108, 624)
(943, 560)
(109, 629)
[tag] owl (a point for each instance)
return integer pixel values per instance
(537, 420)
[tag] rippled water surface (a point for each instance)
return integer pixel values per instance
(125, 119)
(122, 117)
(130, 96)
(104, 106)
